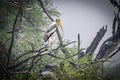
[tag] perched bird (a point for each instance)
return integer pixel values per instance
(47, 37)
(50, 31)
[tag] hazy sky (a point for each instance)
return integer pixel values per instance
(85, 17)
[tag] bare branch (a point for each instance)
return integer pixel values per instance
(41, 50)
(78, 42)
(14, 66)
(12, 3)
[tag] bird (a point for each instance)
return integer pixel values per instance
(52, 28)
(49, 32)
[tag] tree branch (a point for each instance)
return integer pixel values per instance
(41, 3)
(14, 66)
(96, 40)
(13, 34)
(14, 4)
(31, 51)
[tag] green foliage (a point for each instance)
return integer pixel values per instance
(24, 76)
(28, 32)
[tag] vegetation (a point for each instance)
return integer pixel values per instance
(23, 55)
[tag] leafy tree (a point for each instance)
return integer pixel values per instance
(22, 24)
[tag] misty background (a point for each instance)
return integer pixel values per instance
(85, 17)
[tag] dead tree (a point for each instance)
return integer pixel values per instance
(91, 49)
(116, 3)
(111, 43)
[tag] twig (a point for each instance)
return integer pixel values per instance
(32, 63)
(78, 42)
(2, 68)
(65, 57)
(14, 4)
(79, 54)
(69, 43)
(31, 51)
(23, 61)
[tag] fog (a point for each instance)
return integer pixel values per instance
(85, 17)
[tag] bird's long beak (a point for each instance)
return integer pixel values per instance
(59, 23)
